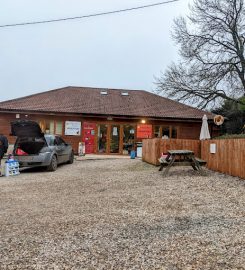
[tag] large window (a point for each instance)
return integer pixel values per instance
(102, 138)
(59, 127)
(128, 138)
(51, 127)
(166, 132)
(174, 132)
(157, 131)
(115, 139)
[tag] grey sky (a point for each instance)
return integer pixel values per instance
(115, 51)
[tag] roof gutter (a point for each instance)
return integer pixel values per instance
(175, 119)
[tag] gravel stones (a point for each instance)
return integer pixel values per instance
(121, 214)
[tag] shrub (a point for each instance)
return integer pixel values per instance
(231, 136)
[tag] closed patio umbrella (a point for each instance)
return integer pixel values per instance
(204, 135)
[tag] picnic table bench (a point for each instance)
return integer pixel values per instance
(181, 158)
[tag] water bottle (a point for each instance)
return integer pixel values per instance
(132, 154)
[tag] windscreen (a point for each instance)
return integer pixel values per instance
(50, 140)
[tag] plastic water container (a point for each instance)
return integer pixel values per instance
(132, 154)
(11, 167)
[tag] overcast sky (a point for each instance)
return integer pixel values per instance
(116, 51)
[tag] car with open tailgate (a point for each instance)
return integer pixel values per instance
(33, 148)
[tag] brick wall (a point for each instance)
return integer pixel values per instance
(186, 130)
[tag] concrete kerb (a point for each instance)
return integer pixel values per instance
(101, 157)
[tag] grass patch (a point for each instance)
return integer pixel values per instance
(231, 136)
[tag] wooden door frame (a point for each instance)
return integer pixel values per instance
(108, 140)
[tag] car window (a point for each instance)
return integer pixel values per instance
(50, 140)
(60, 141)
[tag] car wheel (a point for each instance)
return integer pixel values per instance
(53, 164)
(71, 158)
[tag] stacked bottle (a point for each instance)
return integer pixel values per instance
(11, 167)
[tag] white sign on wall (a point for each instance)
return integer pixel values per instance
(72, 128)
(212, 148)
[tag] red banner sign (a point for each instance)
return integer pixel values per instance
(144, 131)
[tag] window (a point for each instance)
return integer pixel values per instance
(128, 138)
(166, 132)
(59, 141)
(174, 132)
(51, 127)
(115, 139)
(50, 139)
(157, 132)
(58, 127)
(102, 138)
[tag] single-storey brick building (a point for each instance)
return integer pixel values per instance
(107, 120)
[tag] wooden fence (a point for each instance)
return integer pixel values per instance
(229, 157)
(151, 151)
(152, 148)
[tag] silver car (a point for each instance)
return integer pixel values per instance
(32, 148)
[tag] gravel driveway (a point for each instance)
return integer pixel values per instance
(121, 214)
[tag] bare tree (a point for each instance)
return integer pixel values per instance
(212, 65)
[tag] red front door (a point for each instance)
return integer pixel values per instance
(88, 136)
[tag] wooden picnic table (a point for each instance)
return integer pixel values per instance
(182, 158)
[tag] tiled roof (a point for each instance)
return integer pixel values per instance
(90, 101)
